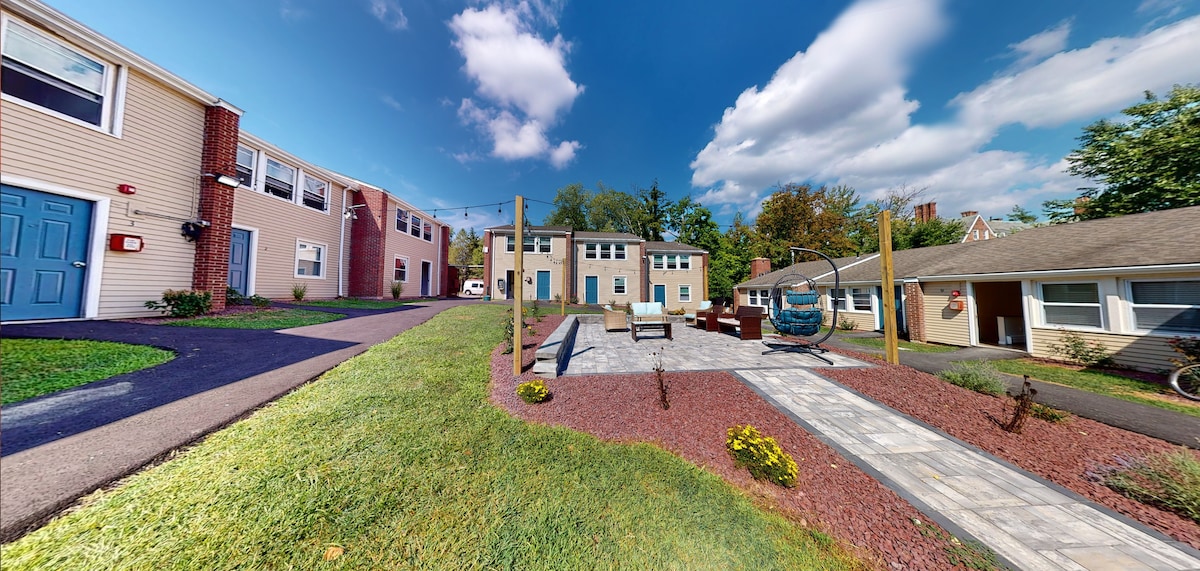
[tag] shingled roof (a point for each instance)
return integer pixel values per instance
(672, 247)
(608, 236)
(1148, 240)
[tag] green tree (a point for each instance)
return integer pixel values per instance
(611, 210)
(648, 220)
(570, 207)
(729, 265)
(1019, 214)
(1149, 162)
(933, 232)
(798, 215)
(466, 249)
(693, 224)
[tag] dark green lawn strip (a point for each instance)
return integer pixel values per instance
(355, 303)
(35, 367)
(1124, 388)
(263, 319)
(398, 458)
(877, 343)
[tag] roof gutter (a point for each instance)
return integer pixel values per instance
(1067, 273)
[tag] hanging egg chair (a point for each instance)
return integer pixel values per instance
(794, 310)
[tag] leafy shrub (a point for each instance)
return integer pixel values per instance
(1074, 348)
(979, 376)
(234, 297)
(1189, 347)
(397, 289)
(1170, 480)
(259, 301)
(573, 300)
(762, 455)
(299, 291)
(183, 303)
(533, 392)
(1049, 414)
(847, 324)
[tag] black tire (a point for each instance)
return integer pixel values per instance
(1186, 381)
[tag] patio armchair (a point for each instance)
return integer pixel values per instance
(614, 320)
(704, 306)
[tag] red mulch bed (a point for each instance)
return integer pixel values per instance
(832, 494)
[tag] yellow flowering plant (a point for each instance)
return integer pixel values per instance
(762, 455)
(533, 392)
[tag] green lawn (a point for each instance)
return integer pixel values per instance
(262, 319)
(35, 367)
(397, 457)
(1124, 388)
(877, 343)
(355, 303)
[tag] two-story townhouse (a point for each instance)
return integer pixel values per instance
(676, 275)
(122, 180)
(547, 258)
(609, 267)
(106, 158)
(396, 243)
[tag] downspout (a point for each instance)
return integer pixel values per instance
(342, 248)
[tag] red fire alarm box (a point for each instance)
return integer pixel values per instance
(125, 243)
(957, 305)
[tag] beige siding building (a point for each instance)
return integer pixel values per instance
(677, 275)
(1128, 284)
(608, 267)
(547, 262)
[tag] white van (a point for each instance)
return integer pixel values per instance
(473, 287)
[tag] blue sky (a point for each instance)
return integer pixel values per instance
(449, 104)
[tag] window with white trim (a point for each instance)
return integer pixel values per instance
(685, 293)
(619, 285)
(534, 244)
(400, 270)
(860, 298)
(1072, 304)
(1171, 306)
(47, 74)
(837, 299)
(246, 159)
(415, 228)
(310, 260)
(672, 261)
(316, 193)
(427, 232)
(760, 297)
(280, 180)
(604, 251)
(402, 221)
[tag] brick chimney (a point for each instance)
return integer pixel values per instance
(925, 212)
(1081, 205)
(968, 213)
(760, 266)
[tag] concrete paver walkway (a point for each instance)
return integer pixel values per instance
(1032, 524)
(1024, 519)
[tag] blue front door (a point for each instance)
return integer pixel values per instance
(660, 293)
(43, 254)
(543, 284)
(591, 289)
(239, 260)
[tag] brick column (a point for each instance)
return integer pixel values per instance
(368, 234)
(211, 266)
(445, 269)
(914, 310)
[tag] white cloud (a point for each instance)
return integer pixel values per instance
(839, 113)
(521, 80)
(389, 13)
(564, 153)
(391, 102)
(1041, 45)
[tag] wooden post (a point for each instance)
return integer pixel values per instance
(518, 282)
(890, 343)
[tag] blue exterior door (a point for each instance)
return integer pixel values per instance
(43, 254)
(543, 284)
(660, 293)
(591, 289)
(239, 260)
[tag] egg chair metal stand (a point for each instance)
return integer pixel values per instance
(795, 312)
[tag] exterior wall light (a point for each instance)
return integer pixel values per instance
(225, 180)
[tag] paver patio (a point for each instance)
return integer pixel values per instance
(1029, 522)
